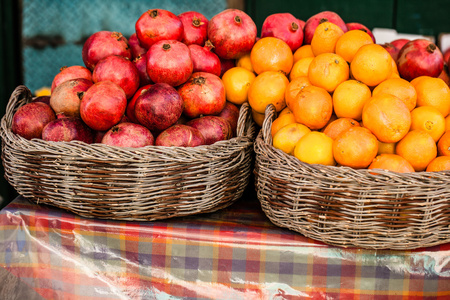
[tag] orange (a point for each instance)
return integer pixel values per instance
(325, 38)
(287, 137)
(294, 87)
(327, 71)
(387, 117)
(429, 119)
(349, 98)
(371, 64)
(300, 68)
(350, 42)
(268, 88)
(394, 71)
(434, 92)
(312, 107)
(447, 123)
(245, 62)
(417, 147)
(271, 54)
(281, 121)
(386, 148)
(285, 111)
(302, 52)
(237, 81)
(391, 162)
(315, 148)
(417, 79)
(443, 145)
(258, 117)
(399, 87)
(338, 126)
(440, 163)
(356, 148)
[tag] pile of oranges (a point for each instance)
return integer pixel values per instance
(341, 101)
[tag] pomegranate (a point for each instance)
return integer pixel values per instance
(399, 43)
(140, 63)
(43, 99)
(447, 56)
(230, 113)
(213, 128)
(159, 107)
(98, 136)
(120, 70)
(156, 25)
(420, 57)
(68, 73)
(203, 94)
(131, 104)
(226, 64)
(232, 32)
(103, 105)
(302, 25)
(195, 28)
(204, 59)
(285, 27)
(169, 62)
(102, 44)
(135, 48)
(128, 135)
(67, 129)
(29, 120)
(66, 97)
(359, 26)
(393, 51)
(180, 135)
(312, 23)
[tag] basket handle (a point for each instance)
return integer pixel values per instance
(245, 118)
(270, 115)
(20, 96)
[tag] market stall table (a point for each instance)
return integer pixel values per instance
(235, 253)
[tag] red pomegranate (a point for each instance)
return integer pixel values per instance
(156, 25)
(128, 135)
(213, 128)
(102, 44)
(66, 97)
(120, 70)
(204, 59)
(359, 26)
(420, 57)
(232, 32)
(68, 73)
(226, 64)
(447, 56)
(170, 62)
(285, 27)
(140, 63)
(399, 43)
(66, 130)
(43, 99)
(312, 23)
(29, 120)
(180, 135)
(131, 104)
(195, 28)
(135, 47)
(393, 51)
(230, 113)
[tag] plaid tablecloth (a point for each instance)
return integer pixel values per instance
(235, 253)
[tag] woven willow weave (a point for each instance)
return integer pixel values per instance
(149, 183)
(347, 207)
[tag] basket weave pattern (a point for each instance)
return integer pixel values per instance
(346, 207)
(148, 183)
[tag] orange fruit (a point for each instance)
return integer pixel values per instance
(271, 54)
(302, 52)
(429, 119)
(386, 148)
(440, 163)
(417, 147)
(356, 147)
(237, 81)
(287, 137)
(328, 70)
(417, 79)
(300, 68)
(399, 87)
(443, 145)
(312, 107)
(268, 88)
(315, 148)
(387, 117)
(350, 42)
(349, 98)
(391, 162)
(258, 117)
(371, 64)
(434, 92)
(294, 87)
(447, 123)
(280, 122)
(285, 111)
(325, 38)
(338, 126)
(245, 62)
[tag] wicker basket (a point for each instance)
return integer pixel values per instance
(345, 207)
(149, 183)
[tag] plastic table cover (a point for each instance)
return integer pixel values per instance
(235, 253)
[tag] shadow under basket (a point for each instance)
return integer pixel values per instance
(134, 184)
(346, 207)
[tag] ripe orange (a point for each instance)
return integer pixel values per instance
(447, 123)
(391, 162)
(280, 122)
(328, 70)
(287, 137)
(443, 145)
(417, 79)
(237, 81)
(338, 126)
(356, 147)
(440, 163)
(285, 111)
(258, 117)
(271, 54)
(325, 38)
(387, 117)
(429, 119)
(302, 52)
(245, 62)
(294, 87)
(371, 64)
(349, 98)
(350, 42)
(399, 87)
(417, 147)
(434, 92)
(268, 88)
(300, 68)
(315, 148)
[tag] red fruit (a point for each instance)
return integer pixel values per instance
(43, 99)
(284, 26)
(103, 105)
(119, 70)
(130, 106)
(232, 32)
(393, 51)
(98, 136)
(156, 25)
(102, 44)
(213, 128)
(66, 97)
(359, 26)
(420, 57)
(136, 48)
(203, 94)
(447, 56)
(159, 107)
(226, 64)
(29, 120)
(169, 62)
(195, 28)
(399, 43)
(68, 73)
(180, 135)
(66, 130)
(140, 63)
(302, 25)
(204, 59)
(128, 135)
(312, 23)
(230, 113)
